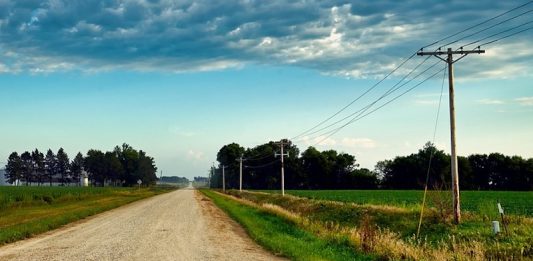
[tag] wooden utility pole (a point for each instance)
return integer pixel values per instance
(223, 179)
(281, 144)
(212, 174)
(455, 172)
(240, 160)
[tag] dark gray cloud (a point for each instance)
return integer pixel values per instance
(351, 38)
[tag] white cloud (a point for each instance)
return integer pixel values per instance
(195, 155)
(490, 102)
(427, 102)
(181, 132)
(362, 40)
(3, 68)
(320, 141)
(525, 101)
(364, 143)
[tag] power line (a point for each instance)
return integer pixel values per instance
(366, 108)
(388, 92)
(488, 28)
(356, 99)
(490, 36)
(507, 36)
(476, 25)
(261, 166)
(388, 102)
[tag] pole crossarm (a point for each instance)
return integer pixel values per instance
(463, 53)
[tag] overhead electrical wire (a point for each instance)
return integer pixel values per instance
(507, 36)
(356, 99)
(388, 92)
(262, 166)
(496, 34)
(487, 28)
(363, 116)
(478, 24)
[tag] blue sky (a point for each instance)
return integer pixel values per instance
(179, 79)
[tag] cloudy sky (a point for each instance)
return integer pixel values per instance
(179, 79)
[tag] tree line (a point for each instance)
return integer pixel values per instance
(313, 169)
(122, 166)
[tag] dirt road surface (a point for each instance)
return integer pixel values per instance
(181, 225)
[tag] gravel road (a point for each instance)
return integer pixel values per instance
(181, 225)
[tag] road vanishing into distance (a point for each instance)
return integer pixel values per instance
(180, 225)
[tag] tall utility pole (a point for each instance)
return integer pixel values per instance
(212, 174)
(223, 178)
(240, 160)
(281, 144)
(455, 172)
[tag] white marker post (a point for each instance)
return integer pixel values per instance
(500, 209)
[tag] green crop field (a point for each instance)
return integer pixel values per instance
(27, 211)
(32, 196)
(513, 202)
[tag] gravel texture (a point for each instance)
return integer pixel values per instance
(180, 225)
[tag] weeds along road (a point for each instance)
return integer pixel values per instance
(180, 225)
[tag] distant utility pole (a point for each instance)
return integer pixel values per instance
(455, 173)
(281, 144)
(211, 175)
(240, 160)
(223, 179)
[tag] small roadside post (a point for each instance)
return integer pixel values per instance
(139, 182)
(502, 215)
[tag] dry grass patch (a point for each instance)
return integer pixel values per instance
(388, 231)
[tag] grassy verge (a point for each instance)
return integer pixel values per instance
(27, 211)
(281, 235)
(480, 202)
(388, 231)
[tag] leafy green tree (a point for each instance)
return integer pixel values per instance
(262, 169)
(13, 168)
(409, 172)
(95, 165)
(113, 168)
(314, 164)
(361, 179)
(76, 166)
(480, 171)
(27, 167)
(50, 165)
(146, 170)
(227, 156)
(38, 165)
(129, 159)
(63, 165)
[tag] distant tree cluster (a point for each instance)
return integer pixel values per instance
(313, 169)
(121, 167)
(174, 179)
(494, 171)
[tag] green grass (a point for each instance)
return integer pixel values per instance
(481, 202)
(281, 236)
(397, 211)
(27, 211)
